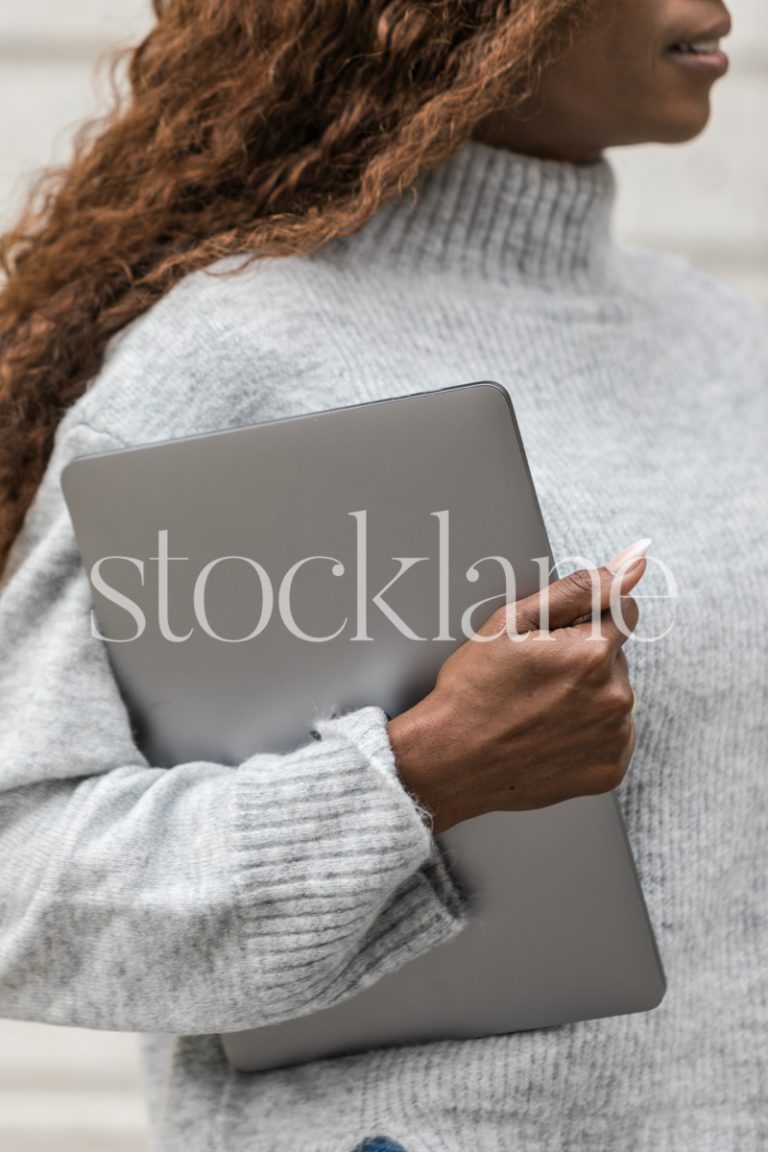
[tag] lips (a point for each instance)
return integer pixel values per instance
(701, 50)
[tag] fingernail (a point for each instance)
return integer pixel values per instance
(625, 559)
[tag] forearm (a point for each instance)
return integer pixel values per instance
(195, 898)
(203, 898)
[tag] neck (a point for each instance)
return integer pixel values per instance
(491, 214)
(536, 134)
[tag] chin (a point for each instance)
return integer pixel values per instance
(686, 124)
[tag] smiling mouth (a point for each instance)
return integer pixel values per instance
(703, 53)
(696, 48)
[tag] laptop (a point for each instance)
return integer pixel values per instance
(329, 505)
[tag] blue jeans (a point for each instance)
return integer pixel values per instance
(379, 1144)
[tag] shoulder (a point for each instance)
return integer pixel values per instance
(222, 348)
(671, 295)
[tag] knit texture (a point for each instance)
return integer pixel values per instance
(187, 901)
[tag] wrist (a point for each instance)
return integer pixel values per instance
(413, 736)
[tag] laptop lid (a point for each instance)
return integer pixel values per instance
(324, 562)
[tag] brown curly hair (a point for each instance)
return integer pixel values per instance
(263, 127)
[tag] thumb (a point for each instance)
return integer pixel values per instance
(586, 592)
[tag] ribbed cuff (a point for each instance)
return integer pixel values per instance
(428, 908)
(340, 880)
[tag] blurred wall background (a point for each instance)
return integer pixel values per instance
(63, 1090)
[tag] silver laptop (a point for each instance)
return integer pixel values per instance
(327, 506)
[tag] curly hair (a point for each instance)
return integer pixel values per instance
(255, 127)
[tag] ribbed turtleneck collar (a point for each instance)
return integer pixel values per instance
(499, 215)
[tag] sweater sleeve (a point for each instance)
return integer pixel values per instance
(199, 898)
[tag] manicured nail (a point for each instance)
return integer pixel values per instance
(625, 559)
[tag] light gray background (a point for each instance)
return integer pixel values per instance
(62, 1089)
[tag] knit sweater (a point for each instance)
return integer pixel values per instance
(182, 902)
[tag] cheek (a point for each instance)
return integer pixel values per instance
(653, 98)
(615, 86)
(635, 68)
(622, 89)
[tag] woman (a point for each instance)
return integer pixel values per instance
(187, 901)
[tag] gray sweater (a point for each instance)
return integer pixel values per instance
(178, 903)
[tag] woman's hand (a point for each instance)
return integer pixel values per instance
(524, 721)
